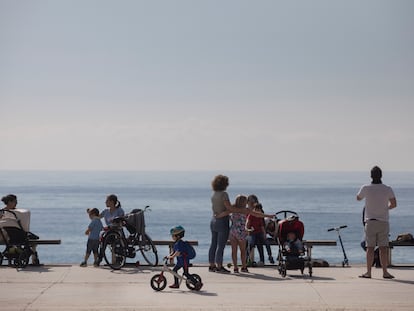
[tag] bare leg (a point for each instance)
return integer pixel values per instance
(370, 258)
(234, 252)
(242, 246)
(383, 250)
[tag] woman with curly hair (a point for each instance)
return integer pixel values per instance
(219, 226)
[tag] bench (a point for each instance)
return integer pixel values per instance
(43, 242)
(40, 242)
(396, 243)
(170, 245)
(309, 244)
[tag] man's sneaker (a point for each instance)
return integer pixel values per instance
(174, 286)
(83, 264)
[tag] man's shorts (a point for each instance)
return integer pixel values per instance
(376, 233)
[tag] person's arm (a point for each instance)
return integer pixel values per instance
(248, 225)
(174, 254)
(222, 214)
(246, 211)
(258, 214)
(393, 203)
(229, 209)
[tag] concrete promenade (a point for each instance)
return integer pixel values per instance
(70, 287)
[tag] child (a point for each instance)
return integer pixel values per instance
(256, 233)
(179, 251)
(238, 234)
(94, 229)
(293, 245)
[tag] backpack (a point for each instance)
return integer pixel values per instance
(189, 250)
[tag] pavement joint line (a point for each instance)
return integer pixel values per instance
(61, 280)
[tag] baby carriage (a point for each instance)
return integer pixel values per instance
(291, 251)
(14, 233)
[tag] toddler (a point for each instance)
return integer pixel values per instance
(293, 245)
(94, 229)
(179, 251)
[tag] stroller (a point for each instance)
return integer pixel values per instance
(14, 233)
(289, 237)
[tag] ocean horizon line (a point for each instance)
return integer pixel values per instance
(199, 170)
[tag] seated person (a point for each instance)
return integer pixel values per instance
(293, 245)
(10, 203)
(271, 234)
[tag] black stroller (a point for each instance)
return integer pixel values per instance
(291, 253)
(18, 249)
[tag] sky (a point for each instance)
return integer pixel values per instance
(207, 85)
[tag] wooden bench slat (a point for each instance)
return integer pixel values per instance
(309, 243)
(401, 243)
(164, 242)
(45, 242)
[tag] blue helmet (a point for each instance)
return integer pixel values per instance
(178, 231)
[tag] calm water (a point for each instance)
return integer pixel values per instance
(58, 200)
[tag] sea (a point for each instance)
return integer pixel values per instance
(58, 201)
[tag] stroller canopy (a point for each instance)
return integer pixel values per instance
(291, 224)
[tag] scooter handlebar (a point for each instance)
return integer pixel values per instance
(337, 228)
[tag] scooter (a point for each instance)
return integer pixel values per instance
(345, 261)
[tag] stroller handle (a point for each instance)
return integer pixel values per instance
(337, 228)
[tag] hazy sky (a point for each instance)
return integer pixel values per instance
(209, 85)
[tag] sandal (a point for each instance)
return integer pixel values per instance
(388, 276)
(236, 270)
(365, 276)
(244, 270)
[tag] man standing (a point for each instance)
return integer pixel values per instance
(379, 199)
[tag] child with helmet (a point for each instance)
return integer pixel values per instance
(180, 252)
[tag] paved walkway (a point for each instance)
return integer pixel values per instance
(70, 287)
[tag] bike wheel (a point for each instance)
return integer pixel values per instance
(158, 282)
(114, 250)
(194, 286)
(148, 251)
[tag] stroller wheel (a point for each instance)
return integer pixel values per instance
(282, 271)
(23, 260)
